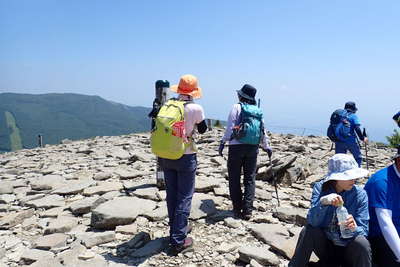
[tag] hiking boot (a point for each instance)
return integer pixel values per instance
(187, 246)
(237, 214)
(246, 216)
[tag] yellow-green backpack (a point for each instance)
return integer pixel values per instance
(168, 137)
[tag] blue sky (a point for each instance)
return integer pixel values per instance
(306, 58)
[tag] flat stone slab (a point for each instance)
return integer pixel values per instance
(102, 188)
(147, 193)
(291, 215)
(47, 182)
(47, 202)
(31, 255)
(48, 242)
(260, 254)
(203, 205)
(74, 188)
(120, 211)
(82, 206)
(90, 240)
(13, 219)
(61, 225)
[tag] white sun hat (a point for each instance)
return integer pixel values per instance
(343, 167)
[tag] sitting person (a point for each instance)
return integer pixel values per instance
(383, 189)
(322, 234)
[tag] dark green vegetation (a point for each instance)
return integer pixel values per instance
(61, 116)
(394, 139)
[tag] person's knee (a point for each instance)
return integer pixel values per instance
(361, 244)
(310, 231)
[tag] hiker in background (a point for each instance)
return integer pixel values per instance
(383, 189)
(396, 118)
(180, 173)
(351, 142)
(322, 234)
(243, 149)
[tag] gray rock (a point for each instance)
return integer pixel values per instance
(47, 182)
(47, 202)
(7, 198)
(6, 188)
(126, 229)
(291, 215)
(147, 193)
(93, 239)
(202, 206)
(61, 225)
(102, 188)
(261, 255)
(151, 248)
(102, 176)
(73, 188)
(83, 206)
(31, 255)
(48, 242)
(13, 219)
(119, 211)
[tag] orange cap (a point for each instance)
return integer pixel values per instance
(188, 85)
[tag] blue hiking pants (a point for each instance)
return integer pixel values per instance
(242, 157)
(179, 181)
(342, 147)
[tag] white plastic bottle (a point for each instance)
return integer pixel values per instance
(342, 214)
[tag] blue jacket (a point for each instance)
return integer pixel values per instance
(356, 202)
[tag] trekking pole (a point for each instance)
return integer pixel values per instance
(366, 148)
(274, 181)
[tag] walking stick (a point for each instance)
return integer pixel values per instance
(274, 181)
(366, 148)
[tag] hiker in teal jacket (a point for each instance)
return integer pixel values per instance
(321, 235)
(243, 154)
(351, 142)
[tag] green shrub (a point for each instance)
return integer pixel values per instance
(217, 124)
(394, 140)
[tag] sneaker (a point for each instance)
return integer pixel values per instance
(187, 246)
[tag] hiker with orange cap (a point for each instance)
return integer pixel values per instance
(180, 172)
(244, 132)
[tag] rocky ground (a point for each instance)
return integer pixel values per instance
(95, 203)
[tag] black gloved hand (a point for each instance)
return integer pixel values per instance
(221, 148)
(269, 151)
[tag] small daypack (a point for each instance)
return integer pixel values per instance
(339, 126)
(249, 128)
(168, 137)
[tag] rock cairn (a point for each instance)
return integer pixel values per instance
(95, 203)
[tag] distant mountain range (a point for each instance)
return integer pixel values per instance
(59, 116)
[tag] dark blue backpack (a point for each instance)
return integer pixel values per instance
(339, 127)
(249, 128)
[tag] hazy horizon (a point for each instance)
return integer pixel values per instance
(305, 58)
